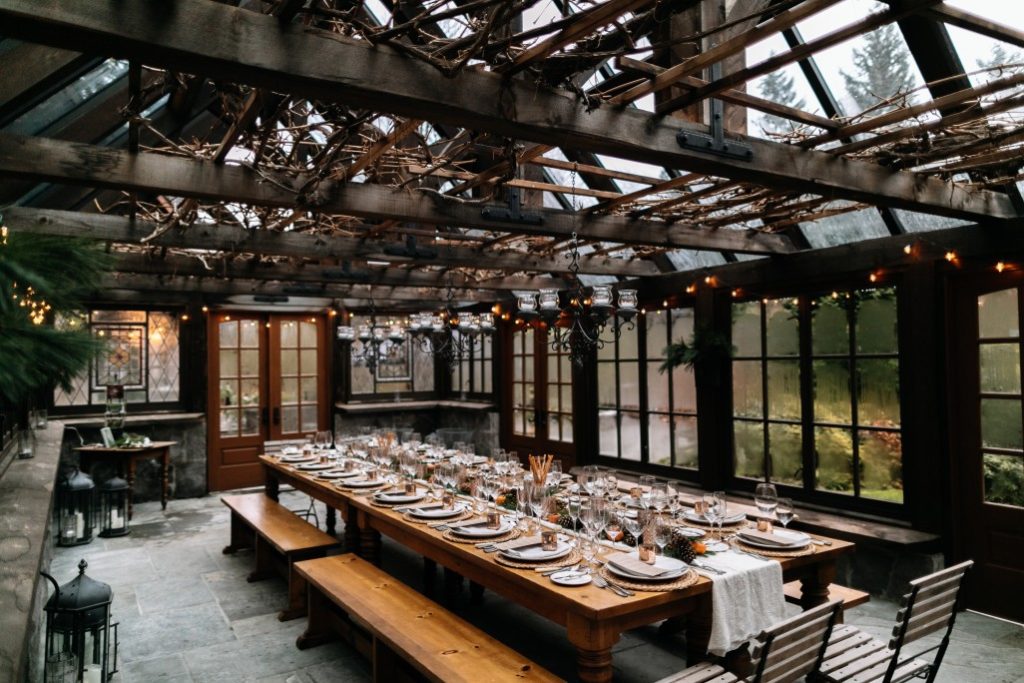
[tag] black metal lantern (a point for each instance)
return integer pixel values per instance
(75, 508)
(78, 631)
(114, 508)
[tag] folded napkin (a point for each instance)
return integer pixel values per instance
(522, 542)
(430, 506)
(477, 521)
(627, 486)
(632, 564)
(745, 600)
(778, 538)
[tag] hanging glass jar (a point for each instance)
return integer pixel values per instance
(75, 508)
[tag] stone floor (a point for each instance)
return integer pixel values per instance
(186, 613)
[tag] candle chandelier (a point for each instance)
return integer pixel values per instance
(376, 341)
(577, 327)
(449, 335)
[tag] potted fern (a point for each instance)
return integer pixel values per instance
(706, 347)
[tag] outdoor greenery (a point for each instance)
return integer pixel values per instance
(41, 276)
(882, 68)
(1004, 479)
(778, 87)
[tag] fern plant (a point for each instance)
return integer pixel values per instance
(706, 346)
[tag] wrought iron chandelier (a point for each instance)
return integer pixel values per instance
(577, 327)
(375, 342)
(449, 335)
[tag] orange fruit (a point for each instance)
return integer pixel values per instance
(699, 548)
(500, 500)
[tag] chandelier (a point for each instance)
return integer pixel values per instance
(449, 335)
(376, 342)
(577, 327)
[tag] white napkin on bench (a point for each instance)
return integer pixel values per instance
(746, 600)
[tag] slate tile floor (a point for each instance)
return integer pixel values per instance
(188, 615)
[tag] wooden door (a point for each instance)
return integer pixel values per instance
(268, 377)
(237, 402)
(988, 455)
(539, 394)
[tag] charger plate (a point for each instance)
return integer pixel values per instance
(574, 557)
(449, 536)
(800, 552)
(685, 581)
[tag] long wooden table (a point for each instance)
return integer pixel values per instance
(593, 618)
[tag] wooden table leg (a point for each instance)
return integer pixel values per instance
(369, 539)
(815, 582)
(351, 531)
(332, 520)
(593, 641)
(698, 629)
(167, 477)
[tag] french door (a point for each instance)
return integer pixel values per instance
(267, 382)
(989, 444)
(539, 395)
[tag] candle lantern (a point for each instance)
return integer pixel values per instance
(75, 508)
(78, 629)
(114, 508)
(116, 407)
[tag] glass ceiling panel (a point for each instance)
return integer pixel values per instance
(785, 86)
(981, 52)
(922, 222)
(844, 228)
(1006, 12)
(689, 259)
(635, 167)
(64, 101)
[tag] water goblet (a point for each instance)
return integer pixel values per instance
(766, 498)
(784, 511)
(634, 525)
(662, 533)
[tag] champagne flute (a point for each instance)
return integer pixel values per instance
(784, 511)
(723, 511)
(766, 498)
(662, 533)
(573, 508)
(710, 510)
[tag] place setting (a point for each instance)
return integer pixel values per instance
(491, 527)
(432, 512)
(399, 495)
(546, 550)
(643, 570)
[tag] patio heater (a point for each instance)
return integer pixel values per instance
(75, 508)
(79, 634)
(114, 508)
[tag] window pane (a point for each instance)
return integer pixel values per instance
(553, 398)
(608, 435)
(362, 381)
(289, 389)
(289, 420)
(659, 438)
(307, 357)
(881, 466)
(289, 334)
(657, 334)
(250, 361)
(606, 385)
(835, 459)
(229, 363)
(684, 391)
(629, 385)
(229, 422)
(749, 448)
(250, 421)
(630, 436)
(566, 398)
(1001, 423)
(876, 323)
(290, 362)
(567, 428)
(997, 314)
(250, 334)
(832, 391)
(309, 393)
(228, 332)
(1004, 479)
(163, 366)
(250, 392)
(682, 324)
(628, 344)
(878, 392)
(784, 389)
(746, 328)
(307, 335)
(229, 392)
(746, 388)
(657, 389)
(785, 447)
(686, 441)
(830, 331)
(1000, 368)
(782, 328)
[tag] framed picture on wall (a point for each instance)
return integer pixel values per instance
(396, 364)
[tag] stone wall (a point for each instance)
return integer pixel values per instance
(188, 456)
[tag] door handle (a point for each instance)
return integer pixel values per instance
(277, 415)
(264, 416)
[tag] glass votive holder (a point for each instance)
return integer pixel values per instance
(635, 492)
(700, 507)
(410, 488)
(648, 553)
(349, 465)
(493, 519)
(765, 525)
(448, 499)
(548, 539)
(371, 474)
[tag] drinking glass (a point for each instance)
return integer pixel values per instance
(555, 473)
(634, 525)
(659, 496)
(646, 484)
(588, 478)
(784, 511)
(710, 510)
(766, 498)
(723, 510)
(573, 508)
(611, 484)
(673, 500)
(662, 533)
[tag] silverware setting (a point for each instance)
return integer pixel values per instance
(820, 541)
(707, 568)
(602, 582)
(556, 570)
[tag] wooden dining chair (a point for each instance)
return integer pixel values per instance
(931, 606)
(786, 652)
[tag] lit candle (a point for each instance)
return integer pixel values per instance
(528, 303)
(627, 299)
(79, 525)
(548, 299)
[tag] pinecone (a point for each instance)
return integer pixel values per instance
(686, 552)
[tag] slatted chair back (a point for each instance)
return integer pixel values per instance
(929, 607)
(795, 647)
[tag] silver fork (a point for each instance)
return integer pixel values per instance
(549, 572)
(602, 582)
(750, 554)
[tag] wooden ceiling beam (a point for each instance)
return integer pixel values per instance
(234, 239)
(66, 162)
(247, 47)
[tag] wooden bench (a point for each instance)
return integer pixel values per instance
(405, 635)
(850, 597)
(279, 539)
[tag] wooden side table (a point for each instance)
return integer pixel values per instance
(158, 449)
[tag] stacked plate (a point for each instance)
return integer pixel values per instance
(780, 539)
(480, 529)
(361, 483)
(692, 516)
(316, 466)
(398, 497)
(339, 474)
(536, 553)
(663, 569)
(296, 457)
(430, 512)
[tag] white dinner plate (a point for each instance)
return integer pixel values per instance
(315, 466)
(483, 532)
(337, 474)
(691, 516)
(438, 513)
(690, 532)
(536, 553)
(361, 483)
(799, 540)
(673, 569)
(399, 497)
(571, 578)
(297, 458)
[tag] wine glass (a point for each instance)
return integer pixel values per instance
(611, 484)
(573, 506)
(633, 524)
(646, 483)
(722, 510)
(555, 473)
(784, 511)
(589, 477)
(662, 533)
(710, 510)
(659, 496)
(766, 498)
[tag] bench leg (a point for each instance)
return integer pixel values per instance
(318, 625)
(387, 667)
(264, 561)
(429, 574)
(476, 593)
(241, 536)
(296, 595)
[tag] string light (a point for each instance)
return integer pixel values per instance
(907, 249)
(690, 289)
(951, 256)
(37, 308)
(735, 293)
(873, 277)
(184, 317)
(1000, 267)
(206, 309)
